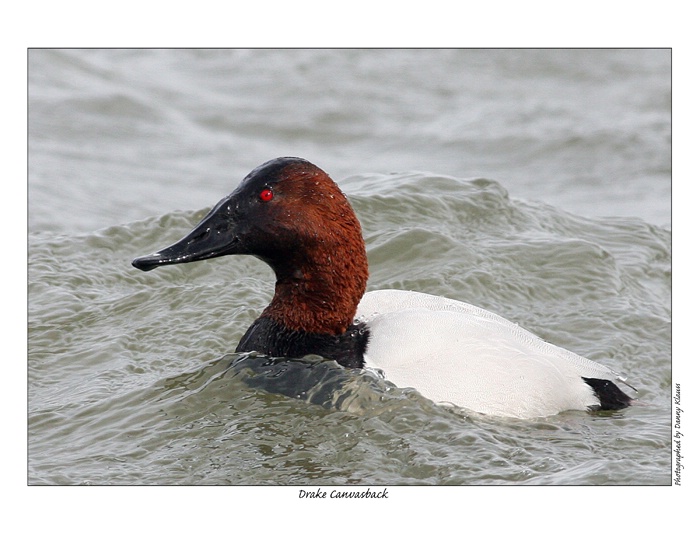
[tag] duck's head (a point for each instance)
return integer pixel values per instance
(290, 214)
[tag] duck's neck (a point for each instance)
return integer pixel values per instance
(319, 294)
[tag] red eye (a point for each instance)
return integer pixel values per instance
(266, 195)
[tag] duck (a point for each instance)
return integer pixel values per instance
(290, 214)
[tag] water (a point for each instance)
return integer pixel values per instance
(532, 183)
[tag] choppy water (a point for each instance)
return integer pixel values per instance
(132, 379)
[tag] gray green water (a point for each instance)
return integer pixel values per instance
(130, 381)
(131, 376)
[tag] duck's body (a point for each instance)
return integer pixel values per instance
(469, 356)
(293, 216)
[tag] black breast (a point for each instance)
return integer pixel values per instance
(271, 338)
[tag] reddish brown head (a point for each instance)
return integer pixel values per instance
(290, 214)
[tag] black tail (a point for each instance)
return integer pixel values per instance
(609, 394)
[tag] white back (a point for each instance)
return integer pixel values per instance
(454, 352)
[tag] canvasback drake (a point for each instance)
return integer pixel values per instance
(290, 214)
